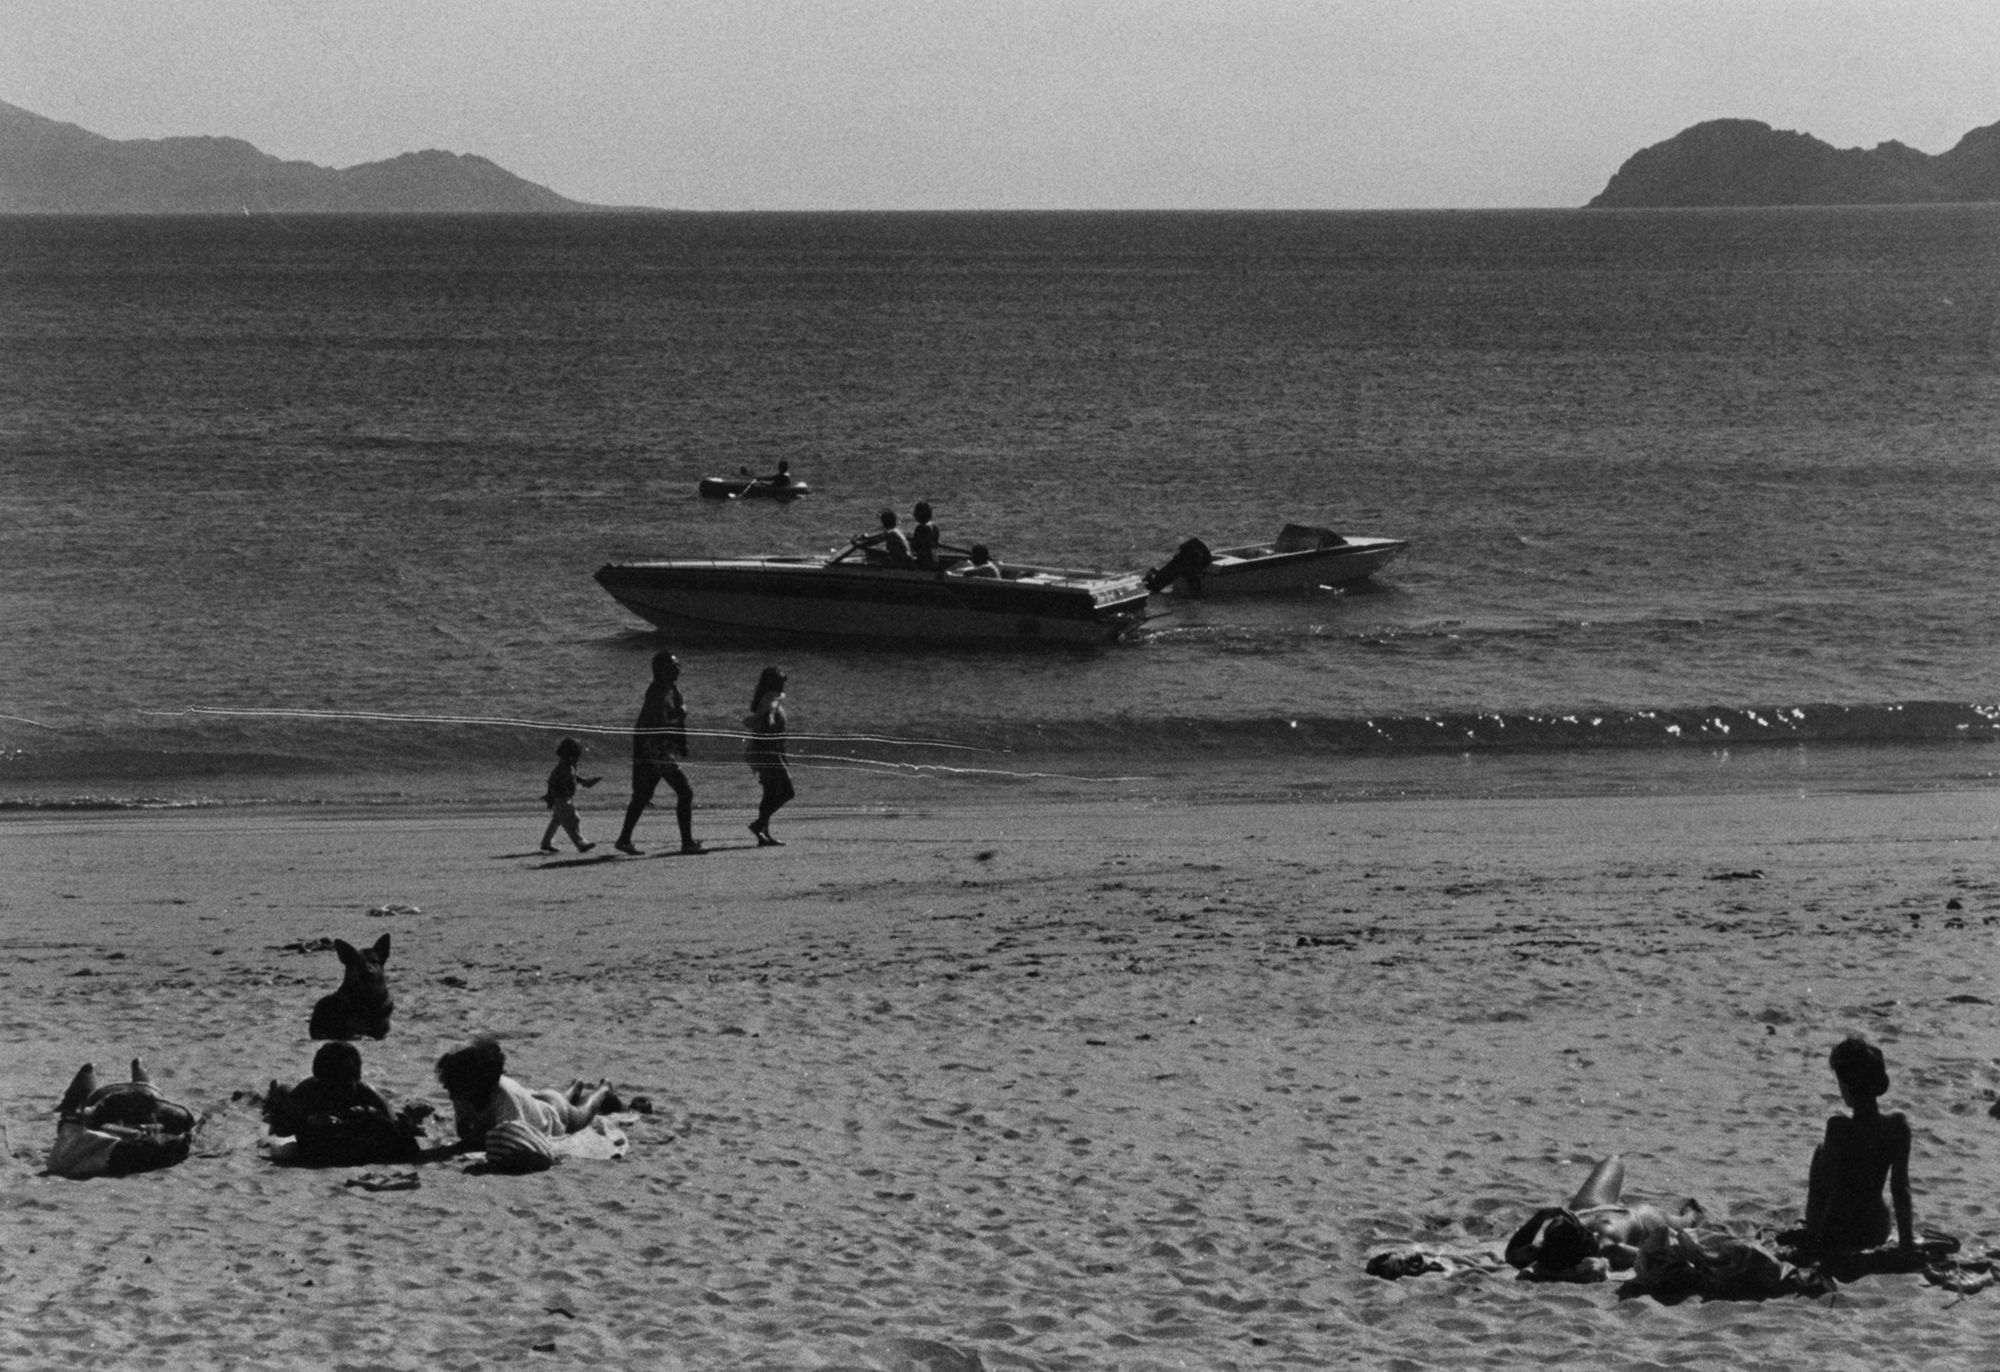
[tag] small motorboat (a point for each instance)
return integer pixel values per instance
(848, 595)
(752, 488)
(1302, 557)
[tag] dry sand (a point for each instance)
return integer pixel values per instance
(1082, 1085)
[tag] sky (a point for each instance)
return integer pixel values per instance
(1011, 104)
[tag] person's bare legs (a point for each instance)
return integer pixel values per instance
(1604, 1186)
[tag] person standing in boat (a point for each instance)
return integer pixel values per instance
(924, 538)
(659, 740)
(765, 751)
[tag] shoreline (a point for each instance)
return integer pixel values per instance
(1094, 1083)
(1221, 776)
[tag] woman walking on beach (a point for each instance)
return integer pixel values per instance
(765, 751)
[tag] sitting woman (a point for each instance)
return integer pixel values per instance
(1844, 1208)
(1562, 1241)
(336, 1119)
(485, 1100)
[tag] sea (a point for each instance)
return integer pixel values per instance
(305, 510)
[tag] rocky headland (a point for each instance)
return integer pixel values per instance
(1745, 162)
(49, 167)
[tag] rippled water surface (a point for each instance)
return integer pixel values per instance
(1674, 483)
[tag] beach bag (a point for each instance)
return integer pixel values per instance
(517, 1147)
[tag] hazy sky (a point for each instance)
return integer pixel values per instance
(1001, 104)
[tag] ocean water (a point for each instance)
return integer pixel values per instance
(307, 509)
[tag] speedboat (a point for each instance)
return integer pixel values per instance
(1302, 557)
(848, 595)
(751, 488)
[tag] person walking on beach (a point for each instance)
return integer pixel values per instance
(561, 797)
(765, 751)
(659, 740)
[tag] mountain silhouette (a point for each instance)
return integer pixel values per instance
(48, 167)
(1745, 162)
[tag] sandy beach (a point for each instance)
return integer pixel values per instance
(1004, 1084)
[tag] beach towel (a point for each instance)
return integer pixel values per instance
(599, 1141)
(1394, 1264)
(1715, 1265)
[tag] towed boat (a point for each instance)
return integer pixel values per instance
(846, 595)
(751, 488)
(1302, 557)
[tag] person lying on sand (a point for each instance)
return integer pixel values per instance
(1595, 1227)
(117, 1129)
(336, 1118)
(484, 1097)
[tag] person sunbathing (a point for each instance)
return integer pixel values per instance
(484, 1097)
(116, 1129)
(1595, 1224)
(336, 1118)
(1844, 1208)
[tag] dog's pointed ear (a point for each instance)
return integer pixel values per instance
(382, 949)
(82, 1087)
(139, 1072)
(348, 956)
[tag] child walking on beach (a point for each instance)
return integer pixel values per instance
(561, 797)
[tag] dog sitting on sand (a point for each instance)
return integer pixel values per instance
(360, 1007)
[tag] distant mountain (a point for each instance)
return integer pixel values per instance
(1744, 162)
(48, 167)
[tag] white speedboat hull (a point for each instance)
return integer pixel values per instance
(827, 599)
(1300, 559)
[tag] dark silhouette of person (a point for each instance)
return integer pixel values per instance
(924, 538)
(1844, 1209)
(659, 740)
(890, 547)
(765, 751)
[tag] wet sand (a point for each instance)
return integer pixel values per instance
(1002, 1084)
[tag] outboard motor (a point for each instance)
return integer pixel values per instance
(1187, 564)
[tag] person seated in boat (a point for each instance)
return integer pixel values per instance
(1845, 1212)
(981, 564)
(1186, 566)
(924, 538)
(779, 480)
(890, 548)
(1596, 1224)
(484, 1097)
(336, 1118)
